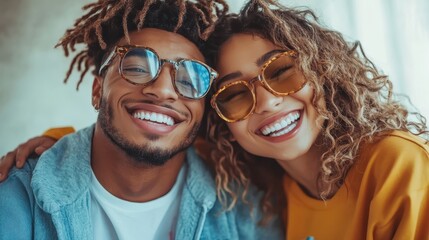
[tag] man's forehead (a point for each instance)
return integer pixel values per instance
(167, 44)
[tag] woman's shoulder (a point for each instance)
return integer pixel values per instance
(396, 154)
(396, 143)
(403, 138)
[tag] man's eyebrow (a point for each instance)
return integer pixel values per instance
(267, 56)
(228, 77)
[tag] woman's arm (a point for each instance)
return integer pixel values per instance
(34, 146)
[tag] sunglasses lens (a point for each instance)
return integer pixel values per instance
(281, 75)
(192, 79)
(235, 102)
(140, 65)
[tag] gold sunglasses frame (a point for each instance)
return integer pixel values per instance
(250, 85)
(123, 50)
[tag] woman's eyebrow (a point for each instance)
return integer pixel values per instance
(267, 56)
(228, 77)
(261, 60)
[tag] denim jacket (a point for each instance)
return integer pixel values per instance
(51, 200)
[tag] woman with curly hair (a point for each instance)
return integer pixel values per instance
(308, 118)
(305, 116)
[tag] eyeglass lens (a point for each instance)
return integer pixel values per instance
(141, 66)
(236, 101)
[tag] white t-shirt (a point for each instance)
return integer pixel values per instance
(115, 218)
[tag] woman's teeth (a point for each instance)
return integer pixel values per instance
(281, 126)
(285, 130)
(154, 117)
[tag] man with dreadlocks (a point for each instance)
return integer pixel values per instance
(133, 174)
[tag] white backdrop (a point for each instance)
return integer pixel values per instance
(394, 34)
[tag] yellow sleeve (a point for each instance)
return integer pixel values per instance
(385, 196)
(400, 205)
(57, 133)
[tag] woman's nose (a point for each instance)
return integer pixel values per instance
(265, 100)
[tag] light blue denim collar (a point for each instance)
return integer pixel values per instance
(63, 174)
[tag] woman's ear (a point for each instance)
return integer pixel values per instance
(232, 138)
(97, 92)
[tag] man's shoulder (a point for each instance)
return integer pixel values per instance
(20, 214)
(245, 219)
(16, 189)
(19, 176)
(16, 196)
(249, 218)
(240, 222)
(74, 143)
(199, 173)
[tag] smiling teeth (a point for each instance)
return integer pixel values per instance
(285, 124)
(154, 117)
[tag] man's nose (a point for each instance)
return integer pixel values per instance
(162, 87)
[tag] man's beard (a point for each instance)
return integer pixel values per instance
(145, 154)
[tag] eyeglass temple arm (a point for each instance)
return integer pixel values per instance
(107, 61)
(213, 74)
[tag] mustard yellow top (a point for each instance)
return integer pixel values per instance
(385, 196)
(57, 133)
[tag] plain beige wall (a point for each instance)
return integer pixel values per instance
(33, 97)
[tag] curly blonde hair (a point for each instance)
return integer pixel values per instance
(360, 104)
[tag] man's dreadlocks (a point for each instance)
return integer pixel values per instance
(107, 21)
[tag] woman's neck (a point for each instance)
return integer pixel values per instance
(305, 170)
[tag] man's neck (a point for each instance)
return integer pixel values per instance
(124, 178)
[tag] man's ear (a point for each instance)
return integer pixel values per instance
(97, 92)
